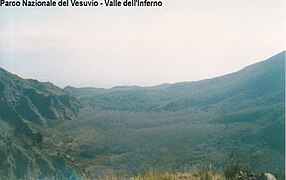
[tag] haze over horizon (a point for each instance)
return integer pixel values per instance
(122, 85)
(106, 47)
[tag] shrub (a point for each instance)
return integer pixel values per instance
(232, 170)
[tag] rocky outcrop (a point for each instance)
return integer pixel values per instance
(251, 176)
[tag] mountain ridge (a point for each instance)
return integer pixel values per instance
(263, 62)
(235, 84)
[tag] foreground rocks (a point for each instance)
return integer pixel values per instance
(251, 176)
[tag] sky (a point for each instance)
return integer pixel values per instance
(184, 40)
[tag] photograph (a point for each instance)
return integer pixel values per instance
(142, 89)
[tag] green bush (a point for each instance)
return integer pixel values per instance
(231, 171)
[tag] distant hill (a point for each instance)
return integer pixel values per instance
(175, 126)
(261, 79)
(28, 108)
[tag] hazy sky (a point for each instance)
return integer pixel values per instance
(185, 40)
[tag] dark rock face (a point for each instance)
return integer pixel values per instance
(30, 100)
(27, 109)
